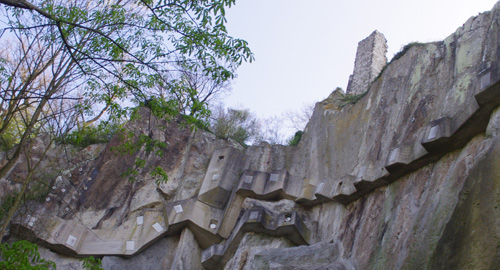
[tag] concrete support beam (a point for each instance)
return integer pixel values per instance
(221, 177)
(261, 221)
(75, 239)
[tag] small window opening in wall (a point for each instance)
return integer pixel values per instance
(288, 217)
(221, 158)
(340, 184)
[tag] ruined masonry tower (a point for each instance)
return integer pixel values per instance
(370, 60)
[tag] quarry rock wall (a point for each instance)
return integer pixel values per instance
(406, 176)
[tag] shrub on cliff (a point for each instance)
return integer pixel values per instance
(22, 255)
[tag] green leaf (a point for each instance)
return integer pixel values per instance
(22, 255)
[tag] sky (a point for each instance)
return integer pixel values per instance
(305, 49)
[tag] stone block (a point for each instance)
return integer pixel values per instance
(212, 256)
(252, 182)
(437, 133)
(277, 181)
(322, 193)
(299, 233)
(322, 189)
(262, 184)
(404, 155)
(373, 173)
(307, 191)
(485, 80)
(344, 189)
(71, 235)
(257, 220)
(220, 177)
(199, 216)
(489, 76)
(370, 178)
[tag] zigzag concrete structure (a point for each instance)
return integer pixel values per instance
(72, 238)
(257, 220)
(439, 137)
(402, 125)
(204, 220)
(213, 215)
(210, 212)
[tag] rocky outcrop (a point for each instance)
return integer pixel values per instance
(404, 177)
(322, 255)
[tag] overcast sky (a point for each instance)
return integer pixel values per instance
(305, 49)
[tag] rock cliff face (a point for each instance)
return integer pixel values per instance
(406, 177)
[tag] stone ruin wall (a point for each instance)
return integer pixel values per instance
(406, 178)
(371, 58)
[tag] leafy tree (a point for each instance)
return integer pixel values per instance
(294, 141)
(115, 51)
(246, 128)
(91, 134)
(197, 89)
(7, 202)
(238, 124)
(91, 263)
(75, 61)
(28, 81)
(22, 255)
(34, 154)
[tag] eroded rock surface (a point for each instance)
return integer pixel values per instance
(408, 177)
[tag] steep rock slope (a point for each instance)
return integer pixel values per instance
(408, 177)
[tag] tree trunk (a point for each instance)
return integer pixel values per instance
(14, 208)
